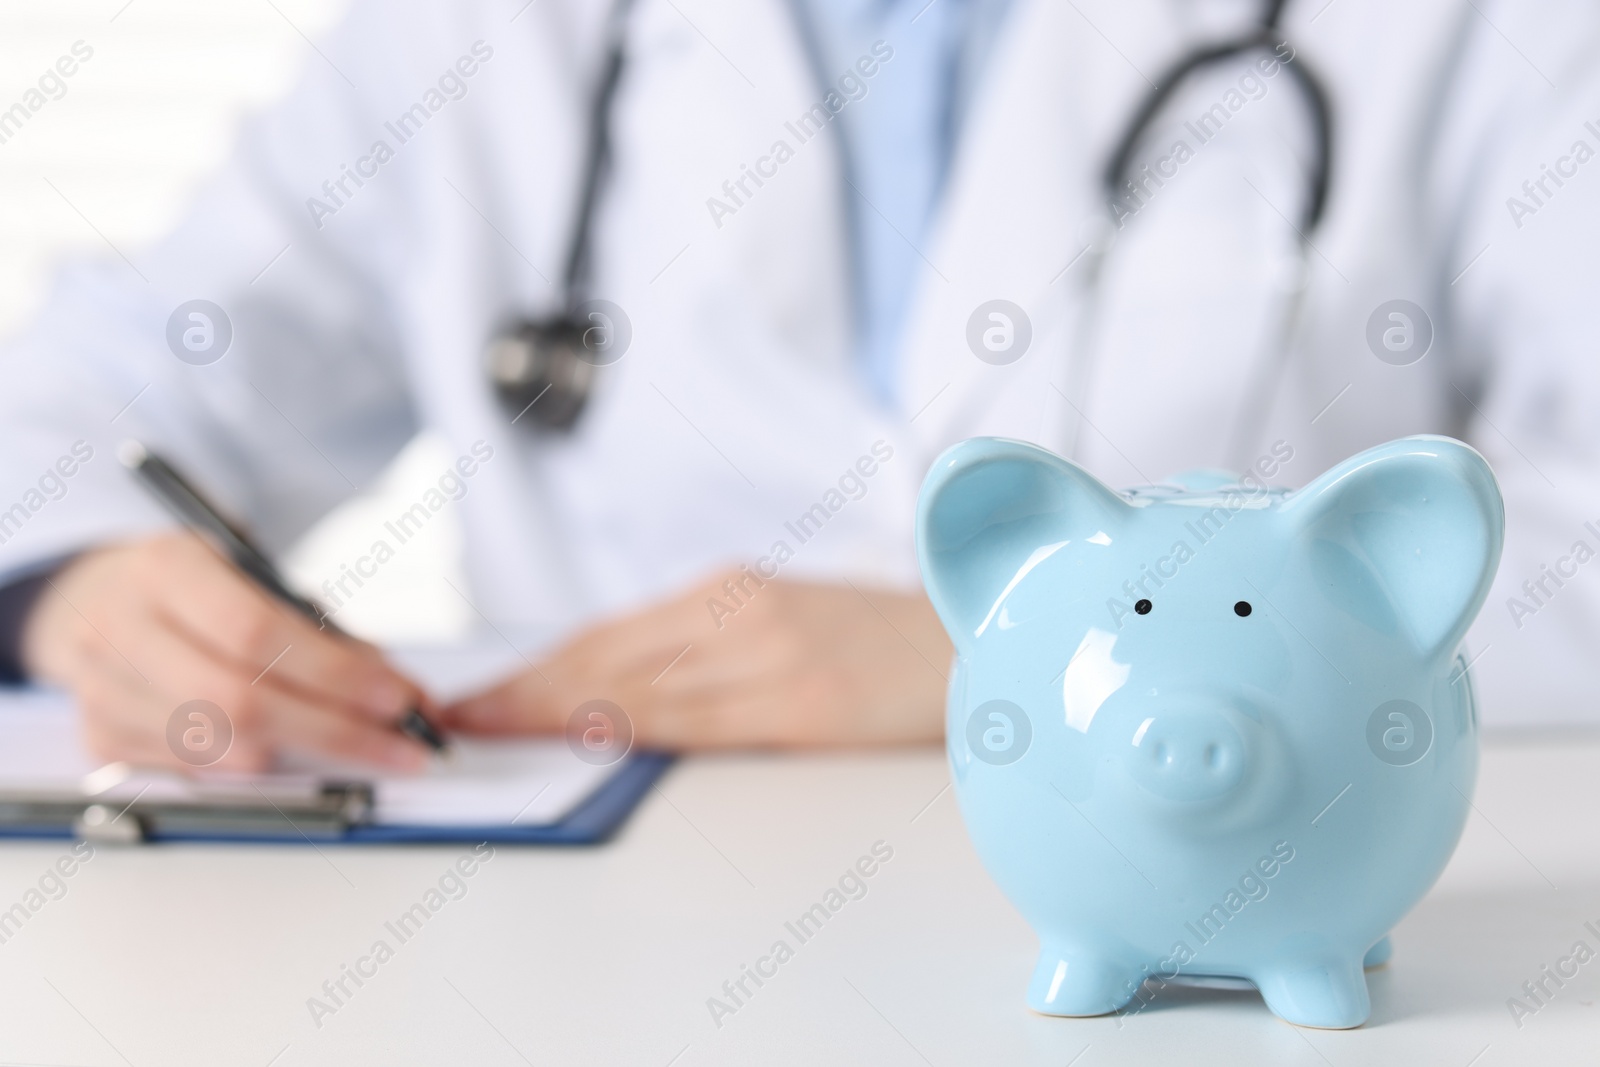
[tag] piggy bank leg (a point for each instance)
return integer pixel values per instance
(1074, 982)
(1378, 954)
(1328, 993)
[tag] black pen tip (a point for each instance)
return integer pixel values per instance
(415, 726)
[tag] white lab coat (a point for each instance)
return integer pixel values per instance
(738, 407)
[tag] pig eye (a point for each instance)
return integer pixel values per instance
(1143, 607)
(1242, 608)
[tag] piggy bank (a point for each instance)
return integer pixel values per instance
(1211, 729)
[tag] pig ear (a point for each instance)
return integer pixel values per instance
(1423, 517)
(987, 506)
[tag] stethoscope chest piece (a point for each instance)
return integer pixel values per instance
(539, 372)
(544, 369)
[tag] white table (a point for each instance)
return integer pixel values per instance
(207, 955)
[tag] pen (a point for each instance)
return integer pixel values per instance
(186, 503)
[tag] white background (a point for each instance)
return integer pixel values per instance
(143, 123)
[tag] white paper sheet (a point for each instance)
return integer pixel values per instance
(491, 783)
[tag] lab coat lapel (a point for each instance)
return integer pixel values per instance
(1184, 300)
(1021, 209)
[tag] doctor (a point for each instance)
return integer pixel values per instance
(835, 236)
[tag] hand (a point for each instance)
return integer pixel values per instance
(135, 630)
(796, 665)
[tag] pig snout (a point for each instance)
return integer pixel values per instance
(1187, 756)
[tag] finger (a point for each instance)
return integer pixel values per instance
(729, 659)
(617, 660)
(303, 728)
(124, 718)
(539, 700)
(525, 703)
(709, 721)
(265, 715)
(706, 716)
(220, 610)
(752, 716)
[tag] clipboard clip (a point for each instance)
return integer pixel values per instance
(123, 805)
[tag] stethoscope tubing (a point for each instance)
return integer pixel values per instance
(1256, 393)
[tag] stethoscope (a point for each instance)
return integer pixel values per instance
(1118, 175)
(544, 369)
(1266, 35)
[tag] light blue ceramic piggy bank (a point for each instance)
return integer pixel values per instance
(1211, 729)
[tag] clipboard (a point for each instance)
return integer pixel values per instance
(50, 788)
(315, 811)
